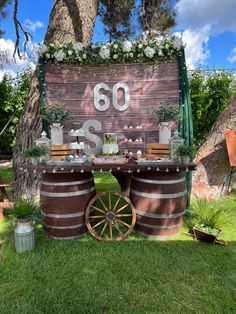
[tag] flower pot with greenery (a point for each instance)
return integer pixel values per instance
(55, 116)
(36, 153)
(24, 231)
(208, 218)
(167, 114)
(185, 153)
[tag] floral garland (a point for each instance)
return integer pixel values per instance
(143, 50)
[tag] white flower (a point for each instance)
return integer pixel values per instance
(177, 43)
(145, 41)
(93, 46)
(78, 47)
(42, 49)
(84, 56)
(160, 53)
(59, 55)
(140, 46)
(127, 45)
(115, 46)
(48, 56)
(51, 45)
(131, 55)
(115, 56)
(104, 53)
(149, 52)
(70, 52)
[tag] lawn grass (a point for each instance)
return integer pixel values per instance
(133, 276)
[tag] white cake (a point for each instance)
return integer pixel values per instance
(110, 149)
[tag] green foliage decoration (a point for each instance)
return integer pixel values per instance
(184, 150)
(22, 209)
(210, 94)
(56, 114)
(208, 213)
(35, 152)
(167, 112)
(154, 50)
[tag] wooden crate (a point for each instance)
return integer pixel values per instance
(60, 151)
(156, 150)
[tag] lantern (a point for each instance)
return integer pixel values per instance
(176, 141)
(45, 142)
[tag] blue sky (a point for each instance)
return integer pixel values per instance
(208, 28)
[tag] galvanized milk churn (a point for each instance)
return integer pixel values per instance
(24, 235)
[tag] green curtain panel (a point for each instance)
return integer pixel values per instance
(186, 127)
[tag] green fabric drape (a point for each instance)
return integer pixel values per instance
(186, 127)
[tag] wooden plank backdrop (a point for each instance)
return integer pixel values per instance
(149, 87)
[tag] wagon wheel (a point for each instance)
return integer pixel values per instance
(110, 216)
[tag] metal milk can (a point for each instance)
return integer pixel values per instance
(24, 235)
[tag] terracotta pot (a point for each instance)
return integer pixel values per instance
(230, 136)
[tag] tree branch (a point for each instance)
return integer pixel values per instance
(19, 27)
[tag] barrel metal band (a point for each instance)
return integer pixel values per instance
(159, 181)
(158, 227)
(157, 237)
(68, 238)
(66, 183)
(160, 196)
(151, 215)
(65, 194)
(74, 215)
(64, 227)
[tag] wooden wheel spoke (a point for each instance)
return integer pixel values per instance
(104, 228)
(123, 223)
(109, 199)
(124, 215)
(117, 228)
(110, 230)
(104, 206)
(123, 207)
(100, 210)
(117, 202)
(99, 223)
(100, 216)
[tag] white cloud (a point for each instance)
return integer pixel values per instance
(197, 13)
(200, 19)
(7, 46)
(196, 50)
(33, 26)
(232, 57)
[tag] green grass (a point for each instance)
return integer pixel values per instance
(133, 276)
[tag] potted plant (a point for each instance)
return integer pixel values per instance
(56, 115)
(36, 153)
(167, 114)
(24, 231)
(186, 153)
(208, 218)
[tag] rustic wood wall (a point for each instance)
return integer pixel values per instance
(149, 87)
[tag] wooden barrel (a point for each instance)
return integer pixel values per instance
(64, 198)
(160, 200)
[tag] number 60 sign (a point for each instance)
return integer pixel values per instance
(101, 97)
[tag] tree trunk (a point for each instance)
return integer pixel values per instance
(214, 176)
(70, 21)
